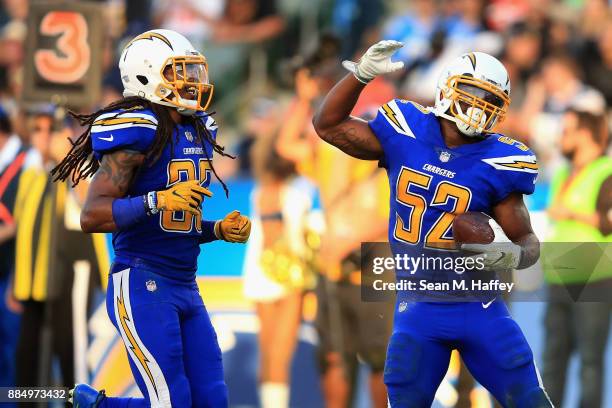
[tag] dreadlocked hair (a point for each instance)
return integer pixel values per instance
(80, 163)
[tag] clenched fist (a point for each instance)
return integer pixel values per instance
(233, 228)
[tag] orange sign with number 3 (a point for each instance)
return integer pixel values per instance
(74, 57)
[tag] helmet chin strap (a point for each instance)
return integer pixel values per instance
(463, 127)
(186, 111)
(470, 130)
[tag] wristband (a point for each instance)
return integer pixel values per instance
(129, 211)
(360, 79)
(208, 232)
(218, 232)
(353, 68)
(151, 203)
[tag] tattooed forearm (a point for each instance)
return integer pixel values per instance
(334, 124)
(119, 168)
(112, 180)
(354, 142)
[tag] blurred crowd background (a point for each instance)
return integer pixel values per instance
(271, 62)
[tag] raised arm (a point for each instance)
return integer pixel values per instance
(335, 125)
(333, 121)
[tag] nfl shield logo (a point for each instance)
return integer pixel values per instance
(402, 307)
(189, 136)
(151, 286)
(444, 156)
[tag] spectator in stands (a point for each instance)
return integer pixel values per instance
(501, 14)
(17, 162)
(465, 19)
(192, 18)
(262, 120)
(12, 36)
(239, 48)
(562, 87)
(354, 19)
(460, 28)
(248, 21)
(47, 247)
(581, 209)
(594, 17)
(556, 89)
(597, 62)
(561, 32)
(520, 57)
(415, 27)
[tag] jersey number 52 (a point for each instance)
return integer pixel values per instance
(444, 191)
(183, 170)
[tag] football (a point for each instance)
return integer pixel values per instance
(472, 228)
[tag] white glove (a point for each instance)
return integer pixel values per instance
(498, 256)
(376, 61)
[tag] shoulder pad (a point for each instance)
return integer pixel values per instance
(123, 129)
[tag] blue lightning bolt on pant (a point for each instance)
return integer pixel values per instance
(170, 341)
(489, 341)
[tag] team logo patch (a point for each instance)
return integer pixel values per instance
(444, 156)
(151, 286)
(402, 307)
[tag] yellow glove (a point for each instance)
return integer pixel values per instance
(182, 196)
(233, 228)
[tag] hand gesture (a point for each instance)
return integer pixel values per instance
(376, 61)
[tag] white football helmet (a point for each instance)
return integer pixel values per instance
(163, 67)
(474, 92)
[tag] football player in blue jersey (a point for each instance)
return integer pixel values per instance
(150, 155)
(442, 161)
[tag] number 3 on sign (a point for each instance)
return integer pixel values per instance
(183, 170)
(73, 56)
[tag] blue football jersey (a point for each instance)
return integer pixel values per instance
(431, 183)
(168, 239)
